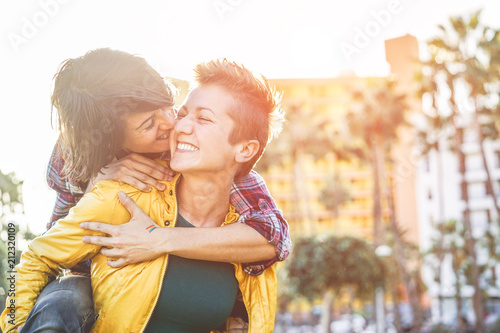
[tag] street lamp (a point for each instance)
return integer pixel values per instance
(381, 251)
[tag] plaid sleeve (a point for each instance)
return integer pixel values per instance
(256, 207)
(69, 192)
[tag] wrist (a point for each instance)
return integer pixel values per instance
(163, 241)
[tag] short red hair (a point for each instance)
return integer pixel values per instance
(257, 115)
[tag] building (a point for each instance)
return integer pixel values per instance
(440, 193)
(328, 99)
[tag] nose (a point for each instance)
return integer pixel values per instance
(184, 125)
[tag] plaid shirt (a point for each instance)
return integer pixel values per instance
(249, 196)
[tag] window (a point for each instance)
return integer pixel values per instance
(473, 162)
(476, 190)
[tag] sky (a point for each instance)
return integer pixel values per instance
(279, 38)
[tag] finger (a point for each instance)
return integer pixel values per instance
(132, 179)
(129, 204)
(142, 180)
(150, 176)
(96, 240)
(149, 167)
(110, 252)
(143, 175)
(117, 263)
(98, 226)
(170, 175)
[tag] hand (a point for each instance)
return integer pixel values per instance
(20, 328)
(129, 243)
(135, 170)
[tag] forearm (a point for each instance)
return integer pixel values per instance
(236, 243)
(257, 209)
(272, 226)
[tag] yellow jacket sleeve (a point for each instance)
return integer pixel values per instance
(61, 246)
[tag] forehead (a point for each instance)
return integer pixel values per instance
(212, 97)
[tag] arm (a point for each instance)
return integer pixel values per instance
(231, 243)
(61, 246)
(68, 191)
(257, 209)
(262, 235)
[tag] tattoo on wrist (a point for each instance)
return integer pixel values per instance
(151, 228)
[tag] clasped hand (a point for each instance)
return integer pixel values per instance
(128, 243)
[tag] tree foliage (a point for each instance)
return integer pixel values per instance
(326, 263)
(11, 205)
(460, 82)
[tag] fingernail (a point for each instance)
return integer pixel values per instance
(121, 194)
(85, 239)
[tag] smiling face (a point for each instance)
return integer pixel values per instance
(148, 132)
(199, 140)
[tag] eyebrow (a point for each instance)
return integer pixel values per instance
(184, 107)
(145, 121)
(204, 108)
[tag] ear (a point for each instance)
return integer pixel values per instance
(245, 150)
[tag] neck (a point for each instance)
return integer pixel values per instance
(203, 202)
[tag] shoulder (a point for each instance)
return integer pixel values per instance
(251, 180)
(111, 187)
(105, 193)
(106, 187)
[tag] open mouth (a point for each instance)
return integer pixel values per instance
(164, 136)
(186, 147)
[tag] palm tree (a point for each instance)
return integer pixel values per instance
(291, 148)
(334, 195)
(463, 66)
(379, 114)
(463, 45)
(451, 245)
(306, 133)
(429, 139)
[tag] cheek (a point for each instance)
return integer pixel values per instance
(127, 140)
(137, 140)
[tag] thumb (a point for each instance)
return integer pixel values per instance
(129, 204)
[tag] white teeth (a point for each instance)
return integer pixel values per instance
(185, 146)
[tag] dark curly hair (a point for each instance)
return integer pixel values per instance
(91, 93)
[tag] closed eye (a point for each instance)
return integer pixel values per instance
(146, 124)
(149, 125)
(205, 119)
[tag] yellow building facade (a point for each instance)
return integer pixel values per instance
(326, 101)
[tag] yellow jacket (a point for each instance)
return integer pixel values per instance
(124, 298)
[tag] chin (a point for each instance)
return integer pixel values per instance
(179, 167)
(158, 150)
